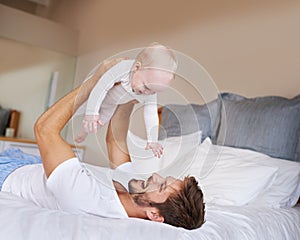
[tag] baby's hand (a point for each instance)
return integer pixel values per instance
(90, 123)
(156, 148)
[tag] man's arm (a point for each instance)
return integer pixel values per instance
(53, 148)
(116, 137)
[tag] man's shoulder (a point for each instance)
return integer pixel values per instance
(67, 164)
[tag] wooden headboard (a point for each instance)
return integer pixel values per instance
(14, 121)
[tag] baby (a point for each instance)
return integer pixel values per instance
(139, 79)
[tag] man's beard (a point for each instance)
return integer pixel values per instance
(139, 199)
(130, 187)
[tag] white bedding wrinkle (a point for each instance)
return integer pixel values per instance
(21, 219)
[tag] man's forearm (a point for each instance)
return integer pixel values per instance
(116, 136)
(54, 150)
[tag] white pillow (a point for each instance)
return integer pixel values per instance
(174, 147)
(285, 190)
(227, 177)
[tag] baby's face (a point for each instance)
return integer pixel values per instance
(150, 81)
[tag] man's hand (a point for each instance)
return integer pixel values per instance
(156, 148)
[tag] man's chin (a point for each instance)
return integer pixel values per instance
(132, 188)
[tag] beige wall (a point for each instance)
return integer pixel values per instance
(251, 48)
(32, 48)
(248, 47)
(21, 26)
(24, 80)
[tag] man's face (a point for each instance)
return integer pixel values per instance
(156, 188)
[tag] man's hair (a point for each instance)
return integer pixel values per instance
(159, 57)
(184, 208)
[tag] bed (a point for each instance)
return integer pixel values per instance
(251, 184)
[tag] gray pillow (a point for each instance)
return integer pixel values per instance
(269, 125)
(180, 120)
(4, 118)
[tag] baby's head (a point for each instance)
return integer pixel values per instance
(153, 70)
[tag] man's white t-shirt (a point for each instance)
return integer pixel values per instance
(71, 187)
(29, 182)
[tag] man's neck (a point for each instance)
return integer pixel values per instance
(131, 208)
(119, 187)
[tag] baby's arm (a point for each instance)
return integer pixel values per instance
(152, 123)
(95, 100)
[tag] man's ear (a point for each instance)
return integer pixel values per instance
(154, 215)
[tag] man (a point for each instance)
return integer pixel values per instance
(74, 189)
(179, 203)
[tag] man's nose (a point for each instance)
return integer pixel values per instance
(157, 178)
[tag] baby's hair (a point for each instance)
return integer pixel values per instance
(159, 57)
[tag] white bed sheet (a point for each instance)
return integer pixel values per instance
(20, 219)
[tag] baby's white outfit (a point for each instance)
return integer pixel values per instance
(107, 95)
